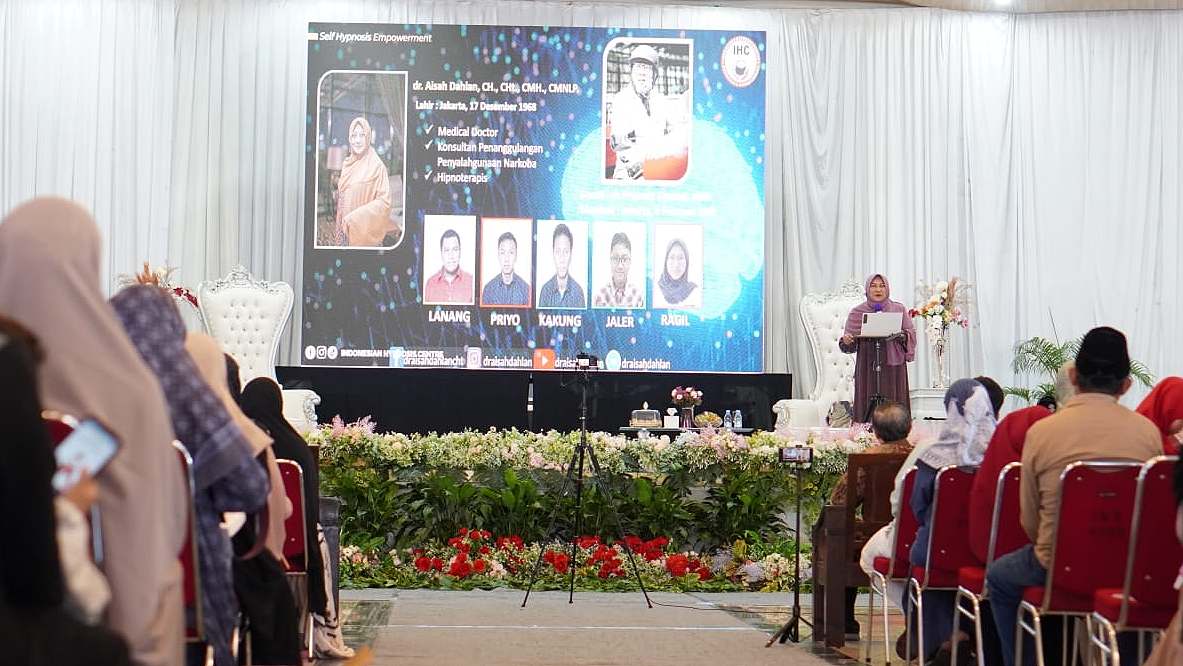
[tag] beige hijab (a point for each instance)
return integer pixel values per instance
(211, 362)
(363, 194)
(50, 252)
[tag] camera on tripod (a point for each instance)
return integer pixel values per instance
(796, 455)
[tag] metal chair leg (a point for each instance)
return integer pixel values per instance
(870, 638)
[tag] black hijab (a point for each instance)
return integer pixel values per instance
(675, 291)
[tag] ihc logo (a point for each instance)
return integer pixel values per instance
(740, 61)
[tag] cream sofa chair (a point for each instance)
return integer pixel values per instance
(824, 318)
(247, 316)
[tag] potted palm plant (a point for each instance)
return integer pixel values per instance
(1043, 358)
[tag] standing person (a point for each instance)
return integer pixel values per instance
(363, 192)
(1088, 426)
(640, 117)
(225, 475)
(451, 284)
(619, 292)
(675, 284)
(50, 253)
(895, 354)
(507, 287)
(562, 291)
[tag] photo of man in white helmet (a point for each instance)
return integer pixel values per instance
(647, 109)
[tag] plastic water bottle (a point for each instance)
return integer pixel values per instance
(727, 419)
(737, 419)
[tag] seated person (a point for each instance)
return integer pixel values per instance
(969, 424)
(891, 423)
(1089, 425)
(1164, 407)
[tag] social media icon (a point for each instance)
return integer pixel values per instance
(322, 352)
(544, 359)
(310, 352)
(333, 352)
(473, 358)
(612, 360)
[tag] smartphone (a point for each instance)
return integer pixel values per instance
(796, 454)
(88, 449)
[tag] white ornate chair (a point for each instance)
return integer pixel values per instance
(824, 318)
(246, 316)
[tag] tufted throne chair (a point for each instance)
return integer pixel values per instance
(246, 316)
(824, 318)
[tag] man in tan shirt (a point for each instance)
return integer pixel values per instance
(1090, 425)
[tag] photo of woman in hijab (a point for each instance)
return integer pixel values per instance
(677, 266)
(361, 127)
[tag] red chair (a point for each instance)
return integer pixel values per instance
(948, 543)
(191, 574)
(1006, 536)
(1147, 600)
(295, 543)
(895, 568)
(1088, 547)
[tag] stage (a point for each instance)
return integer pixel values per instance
(426, 400)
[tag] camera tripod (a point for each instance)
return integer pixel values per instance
(583, 451)
(791, 630)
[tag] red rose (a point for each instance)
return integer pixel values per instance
(659, 542)
(463, 531)
(517, 542)
(423, 564)
(561, 562)
(485, 550)
(588, 541)
(479, 566)
(455, 542)
(677, 565)
(437, 564)
(651, 555)
(704, 574)
(459, 566)
(418, 551)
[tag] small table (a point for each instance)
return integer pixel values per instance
(673, 432)
(928, 403)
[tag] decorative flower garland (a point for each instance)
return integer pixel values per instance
(161, 277)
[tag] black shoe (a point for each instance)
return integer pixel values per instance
(901, 646)
(852, 630)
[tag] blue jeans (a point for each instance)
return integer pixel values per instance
(1008, 576)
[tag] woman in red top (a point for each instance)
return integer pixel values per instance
(1164, 406)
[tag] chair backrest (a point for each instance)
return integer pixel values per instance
(824, 318)
(190, 573)
(1154, 554)
(875, 474)
(246, 316)
(1006, 526)
(58, 425)
(295, 543)
(948, 534)
(904, 533)
(1092, 530)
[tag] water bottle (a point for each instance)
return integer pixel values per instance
(727, 419)
(737, 419)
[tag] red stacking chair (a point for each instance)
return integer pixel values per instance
(295, 543)
(894, 568)
(191, 575)
(948, 543)
(1006, 536)
(1088, 548)
(1147, 600)
(60, 426)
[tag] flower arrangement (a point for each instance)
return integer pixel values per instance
(708, 420)
(161, 277)
(943, 307)
(686, 397)
(476, 558)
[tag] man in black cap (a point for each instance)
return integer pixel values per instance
(1088, 426)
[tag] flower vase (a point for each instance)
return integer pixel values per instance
(939, 346)
(687, 421)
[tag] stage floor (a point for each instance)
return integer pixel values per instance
(442, 627)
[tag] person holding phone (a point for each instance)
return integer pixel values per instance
(35, 627)
(50, 258)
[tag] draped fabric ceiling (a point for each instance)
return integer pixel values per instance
(1038, 156)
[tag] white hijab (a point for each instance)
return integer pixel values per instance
(50, 253)
(969, 425)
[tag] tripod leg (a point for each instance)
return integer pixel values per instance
(603, 488)
(578, 528)
(554, 516)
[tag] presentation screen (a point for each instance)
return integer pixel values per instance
(514, 196)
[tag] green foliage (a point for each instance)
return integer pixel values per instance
(1043, 358)
(743, 502)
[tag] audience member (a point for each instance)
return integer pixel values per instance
(1006, 447)
(50, 253)
(997, 395)
(262, 400)
(35, 628)
(1089, 425)
(225, 475)
(969, 424)
(259, 580)
(1164, 407)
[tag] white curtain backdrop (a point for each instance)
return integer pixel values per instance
(1037, 156)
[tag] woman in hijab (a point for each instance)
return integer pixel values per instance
(895, 354)
(1164, 406)
(35, 628)
(675, 282)
(969, 425)
(50, 253)
(363, 192)
(225, 474)
(259, 581)
(262, 400)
